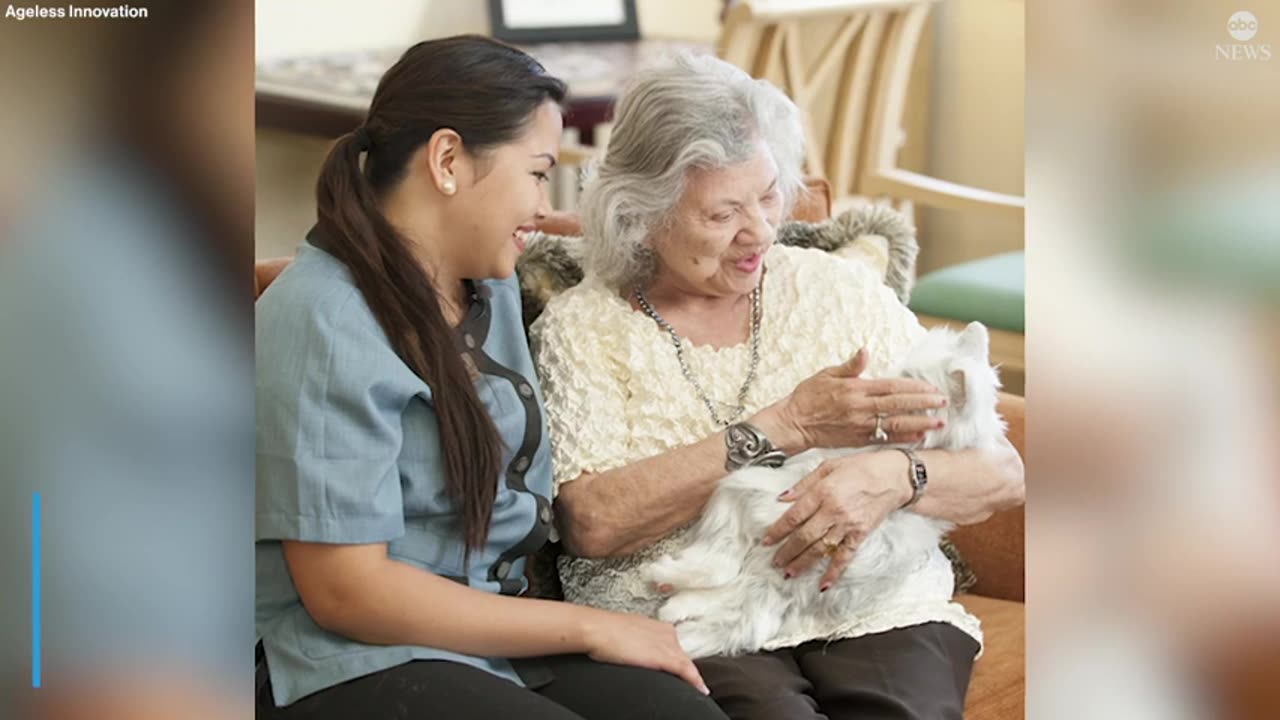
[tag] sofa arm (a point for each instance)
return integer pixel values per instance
(994, 548)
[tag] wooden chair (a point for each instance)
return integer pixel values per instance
(847, 65)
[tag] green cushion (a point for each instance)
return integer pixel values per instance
(991, 290)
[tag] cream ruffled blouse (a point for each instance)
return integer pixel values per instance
(615, 394)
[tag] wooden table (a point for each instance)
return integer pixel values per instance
(328, 95)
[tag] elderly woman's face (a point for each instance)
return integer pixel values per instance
(724, 224)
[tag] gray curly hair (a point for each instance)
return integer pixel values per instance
(694, 112)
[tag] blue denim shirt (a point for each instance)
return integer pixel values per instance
(348, 452)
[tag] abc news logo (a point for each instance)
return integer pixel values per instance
(1242, 26)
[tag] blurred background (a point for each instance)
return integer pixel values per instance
(126, 370)
(1149, 275)
(1153, 261)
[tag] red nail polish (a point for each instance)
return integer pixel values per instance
(786, 575)
(825, 587)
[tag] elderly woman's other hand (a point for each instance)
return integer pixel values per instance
(837, 408)
(834, 509)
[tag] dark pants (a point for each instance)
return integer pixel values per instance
(915, 673)
(583, 689)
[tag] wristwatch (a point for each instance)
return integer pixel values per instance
(749, 447)
(918, 475)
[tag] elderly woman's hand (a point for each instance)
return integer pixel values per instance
(837, 408)
(834, 509)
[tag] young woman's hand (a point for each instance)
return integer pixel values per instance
(640, 641)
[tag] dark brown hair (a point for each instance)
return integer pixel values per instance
(487, 92)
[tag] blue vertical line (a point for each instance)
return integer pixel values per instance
(35, 590)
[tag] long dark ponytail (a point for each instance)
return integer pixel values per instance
(486, 92)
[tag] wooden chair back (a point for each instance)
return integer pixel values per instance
(847, 64)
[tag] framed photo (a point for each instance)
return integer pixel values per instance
(533, 21)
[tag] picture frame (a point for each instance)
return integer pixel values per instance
(526, 22)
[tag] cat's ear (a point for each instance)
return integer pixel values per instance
(958, 388)
(974, 340)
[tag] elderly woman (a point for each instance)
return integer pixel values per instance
(690, 322)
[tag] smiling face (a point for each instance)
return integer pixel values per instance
(725, 222)
(501, 194)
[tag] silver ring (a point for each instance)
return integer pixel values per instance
(880, 435)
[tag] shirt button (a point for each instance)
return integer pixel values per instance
(544, 514)
(526, 390)
(470, 340)
(522, 464)
(504, 567)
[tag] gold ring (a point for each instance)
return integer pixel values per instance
(830, 547)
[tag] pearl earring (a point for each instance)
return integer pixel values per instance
(448, 186)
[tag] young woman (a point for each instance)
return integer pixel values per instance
(403, 468)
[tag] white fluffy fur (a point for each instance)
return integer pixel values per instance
(727, 598)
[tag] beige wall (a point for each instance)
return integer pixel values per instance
(287, 168)
(976, 115)
(684, 19)
(298, 27)
(293, 27)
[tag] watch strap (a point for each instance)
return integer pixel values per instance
(918, 475)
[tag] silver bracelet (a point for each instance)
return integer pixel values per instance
(748, 447)
(918, 476)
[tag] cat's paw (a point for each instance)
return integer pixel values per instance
(665, 575)
(690, 569)
(683, 607)
(699, 639)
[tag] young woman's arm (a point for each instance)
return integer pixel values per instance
(359, 592)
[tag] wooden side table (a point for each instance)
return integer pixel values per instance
(328, 95)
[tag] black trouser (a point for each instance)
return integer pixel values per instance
(583, 689)
(915, 673)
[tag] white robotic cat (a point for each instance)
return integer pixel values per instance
(727, 599)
